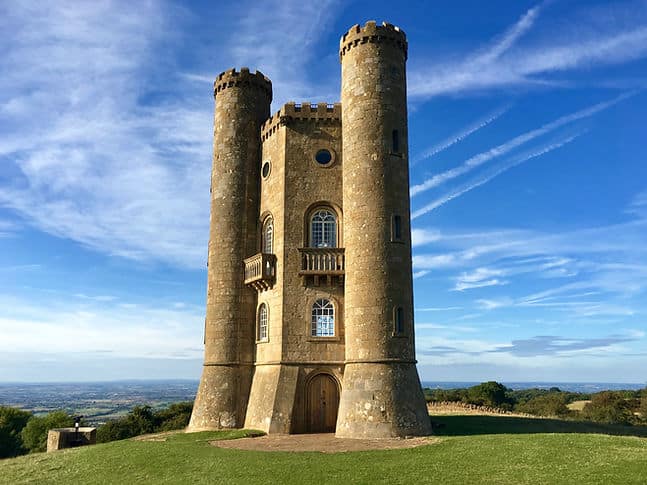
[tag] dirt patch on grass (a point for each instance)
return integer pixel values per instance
(324, 443)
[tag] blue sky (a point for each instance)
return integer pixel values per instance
(528, 178)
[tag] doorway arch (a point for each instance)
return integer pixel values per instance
(322, 403)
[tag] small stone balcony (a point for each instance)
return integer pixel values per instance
(260, 271)
(322, 266)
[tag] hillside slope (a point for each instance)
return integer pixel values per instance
(470, 450)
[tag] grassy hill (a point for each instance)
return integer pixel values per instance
(472, 449)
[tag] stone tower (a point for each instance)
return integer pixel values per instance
(309, 323)
(242, 104)
(381, 395)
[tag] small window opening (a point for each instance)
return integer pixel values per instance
(398, 323)
(396, 229)
(396, 141)
(323, 157)
(265, 170)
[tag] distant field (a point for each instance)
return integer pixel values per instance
(578, 405)
(471, 449)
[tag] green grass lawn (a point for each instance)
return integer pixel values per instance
(473, 449)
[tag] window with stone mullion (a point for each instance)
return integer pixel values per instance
(323, 230)
(323, 319)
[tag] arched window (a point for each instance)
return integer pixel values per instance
(268, 236)
(323, 318)
(323, 229)
(261, 333)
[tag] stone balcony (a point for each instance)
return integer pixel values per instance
(322, 265)
(260, 271)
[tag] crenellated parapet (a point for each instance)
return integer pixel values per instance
(244, 77)
(373, 33)
(306, 111)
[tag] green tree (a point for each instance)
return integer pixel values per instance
(34, 435)
(489, 393)
(12, 422)
(140, 420)
(608, 407)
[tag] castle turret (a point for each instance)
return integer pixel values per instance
(381, 393)
(242, 104)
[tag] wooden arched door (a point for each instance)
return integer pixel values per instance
(322, 403)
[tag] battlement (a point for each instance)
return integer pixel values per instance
(305, 111)
(243, 77)
(371, 32)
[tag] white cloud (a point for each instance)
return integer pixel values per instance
(587, 42)
(460, 136)
(504, 148)
(495, 172)
(281, 36)
(97, 154)
(98, 324)
(420, 237)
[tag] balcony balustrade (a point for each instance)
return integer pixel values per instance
(322, 262)
(260, 271)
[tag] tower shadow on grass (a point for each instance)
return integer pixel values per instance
(462, 425)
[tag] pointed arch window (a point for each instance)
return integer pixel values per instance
(323, 318)
(262, 324)
(268, 236)
(323, 229)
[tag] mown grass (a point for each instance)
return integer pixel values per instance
(473, 449)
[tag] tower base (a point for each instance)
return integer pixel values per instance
(221, 400)
(271, 399)
(382, 400)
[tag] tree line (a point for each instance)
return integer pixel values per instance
(22, 432)
(612, 407)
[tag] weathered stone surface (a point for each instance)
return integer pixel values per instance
(61, 438)
(270, 383)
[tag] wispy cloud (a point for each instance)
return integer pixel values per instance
(504, 63)
(420, 237)
(420, 274)
(264, 40)
(504, 167)
(546, 345)
(439, 309)
(504, 148)
(112, 147)
(460, 136)
(98, 323)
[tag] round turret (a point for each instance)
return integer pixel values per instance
(242, 105)
(381, 396)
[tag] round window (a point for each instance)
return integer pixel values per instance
(323, 157)
(265, 169)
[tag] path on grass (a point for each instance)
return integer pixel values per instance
(323, 442)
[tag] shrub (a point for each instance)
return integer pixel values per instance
(176, 416)
(550, 404)
(12, 422)
(143, 420)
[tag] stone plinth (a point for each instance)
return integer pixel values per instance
(60, 438)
